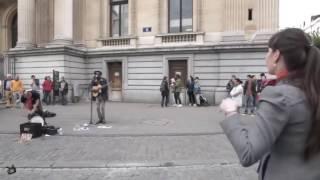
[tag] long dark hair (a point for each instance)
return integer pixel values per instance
(302, 60)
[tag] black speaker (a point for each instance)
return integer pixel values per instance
(31, 128)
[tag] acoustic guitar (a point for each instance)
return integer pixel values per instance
(96, 90)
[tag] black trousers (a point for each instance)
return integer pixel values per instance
(165, 98)
(192, 99)
(40, 113)
(177, 97)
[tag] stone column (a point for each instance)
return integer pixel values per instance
(78, 22)
(268, 19)
(26, 24)
(104, 19)
(63, 22)
(132, 18)
(235, 17)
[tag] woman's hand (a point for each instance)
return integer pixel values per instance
(228, 106)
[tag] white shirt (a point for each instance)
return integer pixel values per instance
(236, 94)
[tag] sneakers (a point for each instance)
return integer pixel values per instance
(180, 105)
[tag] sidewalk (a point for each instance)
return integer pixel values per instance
(145, 142)
(125, 119)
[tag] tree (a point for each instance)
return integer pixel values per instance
(315, 36)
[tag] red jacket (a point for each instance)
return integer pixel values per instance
(47, 85)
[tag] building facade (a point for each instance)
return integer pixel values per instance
(137, 42)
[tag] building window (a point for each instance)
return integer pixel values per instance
(180, 16)
(250, 14)
(119, 17)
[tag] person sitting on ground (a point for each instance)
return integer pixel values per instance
(32, 103)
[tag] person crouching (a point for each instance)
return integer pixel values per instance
(32, 103)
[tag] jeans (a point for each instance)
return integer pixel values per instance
(101, 108)
(63, 98)
(191, 96)
(177, 97)
(47, 97)
(198, 99)
(165, 99)
(249, 103)
(16, 98)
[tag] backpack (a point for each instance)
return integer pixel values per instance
(162, 88)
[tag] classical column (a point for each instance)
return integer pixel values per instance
(26, 24)
(268, 15)
(234, 15)
(78, 22)
(104, 19)
(132, 17)
(63, 22)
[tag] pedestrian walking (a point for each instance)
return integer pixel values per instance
(190, 87)
(237, 93)
(285, 137)
(164, 89)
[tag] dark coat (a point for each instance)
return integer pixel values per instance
(164, 87)
(104, 91)
(253, 88)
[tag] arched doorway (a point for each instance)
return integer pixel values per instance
(14, 31)
(9, 36)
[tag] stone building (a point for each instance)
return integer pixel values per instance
(136, 42)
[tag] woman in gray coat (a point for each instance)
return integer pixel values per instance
(286, 135)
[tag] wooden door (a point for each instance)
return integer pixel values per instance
(178, 66)
(115, 75)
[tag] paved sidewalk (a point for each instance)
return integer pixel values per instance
(125, 119)
(145, 142)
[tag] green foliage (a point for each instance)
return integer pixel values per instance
(315, 36)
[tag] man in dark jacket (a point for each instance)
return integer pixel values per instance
(164, 89)
(230, 84)
(100, 94)
(250, 92)
(63, 89)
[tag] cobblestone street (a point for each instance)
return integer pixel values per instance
(145, 142)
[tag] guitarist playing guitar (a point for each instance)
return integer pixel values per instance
(100, 95)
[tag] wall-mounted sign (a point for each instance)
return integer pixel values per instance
(147, 29)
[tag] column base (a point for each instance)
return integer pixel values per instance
(24, 45)
(60, 43)
(262, 36)
(233, 37)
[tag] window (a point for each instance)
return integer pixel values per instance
(250, 14)
(119, 18)
(180, 16)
